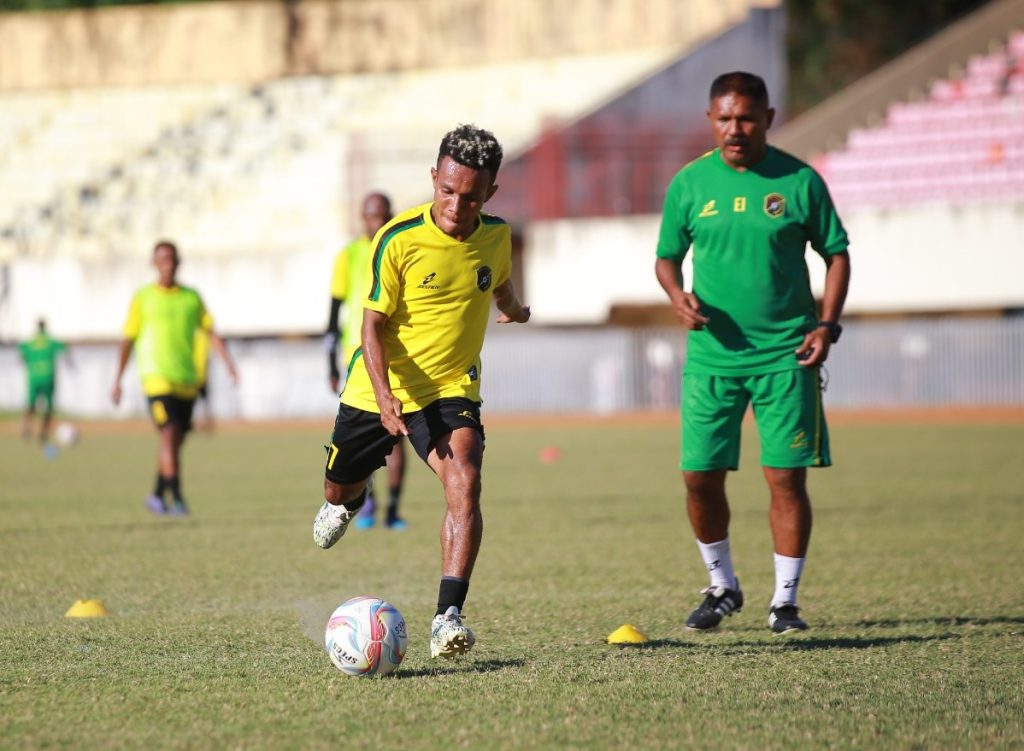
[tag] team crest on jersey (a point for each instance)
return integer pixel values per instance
(483, 278)
(774, 205)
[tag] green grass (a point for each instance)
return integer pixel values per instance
(913, 591)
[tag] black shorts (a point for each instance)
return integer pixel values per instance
(360, 445)
(171, 410)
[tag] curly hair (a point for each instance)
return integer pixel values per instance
(473, 147)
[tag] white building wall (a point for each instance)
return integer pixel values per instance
(924, 259)
(931, 258)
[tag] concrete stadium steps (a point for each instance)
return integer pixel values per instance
(98, 172)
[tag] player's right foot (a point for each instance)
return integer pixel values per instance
(330, 524)
(365, 522)
(178, 508)
(785, 619)
(155, 505)
(720, 602)
(449, 636)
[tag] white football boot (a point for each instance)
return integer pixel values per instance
(330, 524)
(449, 636)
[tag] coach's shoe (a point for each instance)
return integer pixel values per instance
(155, 505)
(330, 524)
(178, 508)
(720, 602)
(784, 619)
(449, 636)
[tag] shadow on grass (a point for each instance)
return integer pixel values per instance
(460, 668)
(797, 642)
(940, 620)
(789, 642)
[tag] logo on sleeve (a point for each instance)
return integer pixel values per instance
(774, 205)
(483, 278)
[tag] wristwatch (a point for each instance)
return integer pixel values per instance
(834, 329)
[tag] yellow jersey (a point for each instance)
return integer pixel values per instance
(163, 323)
(349, 281)
(436, 293)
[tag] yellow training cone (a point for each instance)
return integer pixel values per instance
(627, 634)
(86, 609)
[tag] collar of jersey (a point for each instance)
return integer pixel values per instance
(429, 219)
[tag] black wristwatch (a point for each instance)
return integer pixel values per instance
(834, 329)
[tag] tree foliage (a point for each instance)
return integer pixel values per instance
(832, 43)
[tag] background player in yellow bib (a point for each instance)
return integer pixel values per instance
(434, 272)
(161, 327)
(748, 211)
(350, 283)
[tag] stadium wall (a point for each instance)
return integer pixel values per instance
(879, 364)
(257, 41)
(928, 259)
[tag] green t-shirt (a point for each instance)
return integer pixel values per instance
(749, 232)
(40, 356)
(163, 324)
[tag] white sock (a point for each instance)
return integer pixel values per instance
(787, 579)
(718, 561)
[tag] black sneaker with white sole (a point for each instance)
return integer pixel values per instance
(720, 602)
(785, 619)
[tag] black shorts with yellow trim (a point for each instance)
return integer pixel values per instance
(166, 409)
(360, 444)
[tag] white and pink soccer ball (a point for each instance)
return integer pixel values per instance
(366, 636)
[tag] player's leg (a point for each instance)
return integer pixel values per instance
(359, 446)
(180, 423)
(172, 418)
(793, 437)
(448, 435)
(30, 411)
(712, 408)
(46, 418)
(396, 480)
(367, 516)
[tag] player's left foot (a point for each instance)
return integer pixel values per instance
(396, 524)
(449, 636)
(155, 505)
(178, 508)
(784, 619)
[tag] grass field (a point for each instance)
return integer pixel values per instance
(913, 591)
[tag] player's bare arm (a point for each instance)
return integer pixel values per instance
(377, 368)
(222, 352)
(512, 311)
(685, 304)
(123, 353)
(813, 351)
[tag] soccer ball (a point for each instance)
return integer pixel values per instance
(66, 434)
(366, 636)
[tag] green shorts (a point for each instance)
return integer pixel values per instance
(40, 390)
(787, 409)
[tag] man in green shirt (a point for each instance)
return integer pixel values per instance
(40, 356)
(748, 211)
(161, 328)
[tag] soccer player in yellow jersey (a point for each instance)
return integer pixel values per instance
(349, 285)
(161, 327)
(434, 271)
